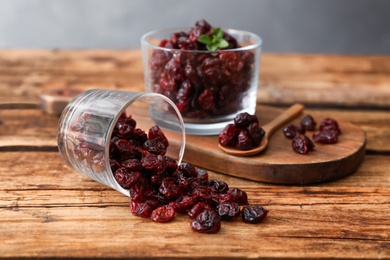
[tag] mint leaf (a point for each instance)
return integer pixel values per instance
(204, 38)
(215, 41)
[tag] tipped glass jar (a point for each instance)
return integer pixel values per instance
(88, 121)
(208, 87)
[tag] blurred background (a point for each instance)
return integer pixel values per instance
(304, 26)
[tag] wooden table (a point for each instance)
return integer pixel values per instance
(47, 210)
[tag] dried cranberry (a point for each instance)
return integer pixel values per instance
(184, 204)
(329, 124)
(127, 149)
(201, 27)
(170, 189)
(163, 214)
(206, 100)
(208, 221)
(253, 214)
(120, 176)
(244, 142)
(228, 136)
(290, 130)
(140, 209)
(218, 186)
(308, 123)
(326, 137)
(239, 196)
(302, 144)
(155, 133)
(256, 133)
(243, 120)
(228, 211)
(198, 208)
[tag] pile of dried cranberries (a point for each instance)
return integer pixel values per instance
(244, 134)
(329, 132)
(159, 188)
(201, 84)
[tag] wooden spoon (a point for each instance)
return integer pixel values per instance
(285, 117)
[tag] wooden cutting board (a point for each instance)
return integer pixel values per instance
(279, 164)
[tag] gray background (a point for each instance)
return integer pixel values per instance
(308, 26)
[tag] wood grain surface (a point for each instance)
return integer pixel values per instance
(49, 211)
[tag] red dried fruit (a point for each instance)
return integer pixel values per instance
(308, 123)
(244, 142)
(218, 186)
(256, 133)
(163, 214)
(207, 221)
(198, 208)
(227, 211)
(155, 133)
(302, 144)
(326, 137)
(290, 130)
(253, 214)
(184, 204)
(228, 136)
(243, 120)
(140, 209)
(329, 124)
(170, 189)
(239, 196)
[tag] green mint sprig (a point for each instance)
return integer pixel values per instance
(215, 41)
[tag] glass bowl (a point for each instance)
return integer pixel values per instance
(208, 87)
(88, 121)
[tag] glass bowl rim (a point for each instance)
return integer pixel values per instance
(257, 44)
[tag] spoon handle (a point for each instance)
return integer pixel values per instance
(291, 113)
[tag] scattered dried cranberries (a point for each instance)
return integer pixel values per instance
(329, 132)
(159, 187)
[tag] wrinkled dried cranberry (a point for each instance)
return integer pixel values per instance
(302, 144)
(218, 186)
(308, 123)
(290, 130)
(256, 133)
(198, 208)
(170, 189)
(228, 136)
(208, 221)
(155, 133)
(243, 120)
(329, 124)
(140, 209)
(133, 165)
(326, 137)
(163, 214)
(184, 204)
(239, 196)
(244, 142)
(228, 211)
(253, 214)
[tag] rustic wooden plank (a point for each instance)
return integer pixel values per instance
(284, 78)
(38, 214)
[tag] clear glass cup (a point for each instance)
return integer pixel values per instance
(87, 122)
(209, 87)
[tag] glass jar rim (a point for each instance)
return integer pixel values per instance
(257, 44)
